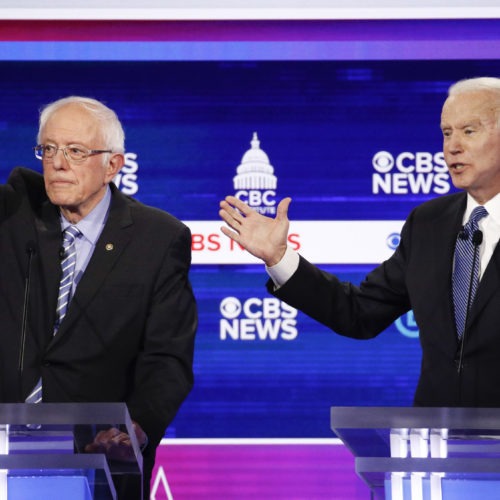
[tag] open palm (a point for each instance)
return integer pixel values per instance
(264, 237)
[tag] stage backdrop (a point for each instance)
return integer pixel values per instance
(346, 123)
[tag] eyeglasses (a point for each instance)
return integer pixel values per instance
(72, 152)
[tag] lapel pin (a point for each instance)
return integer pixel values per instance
(109, 247)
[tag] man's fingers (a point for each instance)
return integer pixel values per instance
(230, 234)
(235, 226)
(233, 203)
(282, 210)
(233, 210)
(228, 218)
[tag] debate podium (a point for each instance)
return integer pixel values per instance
(423, 453)
(42, 452)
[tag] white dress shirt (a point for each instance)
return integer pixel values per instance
(91, 227)
(490, 227)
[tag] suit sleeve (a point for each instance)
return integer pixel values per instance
(354, 311)
(164, 375)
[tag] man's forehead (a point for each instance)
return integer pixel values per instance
(468, 108)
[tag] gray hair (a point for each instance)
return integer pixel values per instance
(484, 83)
(111, 129)
(474, 85)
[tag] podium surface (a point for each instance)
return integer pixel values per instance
(423, 453)
(42, 451)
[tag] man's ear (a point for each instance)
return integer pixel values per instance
(114, 165)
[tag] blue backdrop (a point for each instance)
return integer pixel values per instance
(321, 123)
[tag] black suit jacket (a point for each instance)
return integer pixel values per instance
(417, 276)
(129, 331)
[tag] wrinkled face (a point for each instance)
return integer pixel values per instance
(76, 187)
(471, 142)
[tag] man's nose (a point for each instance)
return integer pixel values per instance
(59, 160)
(453, 144)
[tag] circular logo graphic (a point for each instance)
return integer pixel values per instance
(230, 307)
(393, 240)
(407, 326)
(383, 162)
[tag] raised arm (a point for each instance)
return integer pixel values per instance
(262, 236)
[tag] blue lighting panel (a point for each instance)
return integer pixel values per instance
(351, 130)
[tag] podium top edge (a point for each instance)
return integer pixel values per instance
(64, 413)
(366, 417)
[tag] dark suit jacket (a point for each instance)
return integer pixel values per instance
(417, 276)
(129, 331)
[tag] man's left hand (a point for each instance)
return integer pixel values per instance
(115, 444)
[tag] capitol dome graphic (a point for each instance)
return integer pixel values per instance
(255, 171)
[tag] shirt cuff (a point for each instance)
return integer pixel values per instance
(281, 272)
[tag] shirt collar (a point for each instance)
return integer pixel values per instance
(91, 225)
(492, 206)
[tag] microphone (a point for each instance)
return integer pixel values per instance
(31, 251)
(31, 248)
(477, 239)
(462, 234)
(61, 253)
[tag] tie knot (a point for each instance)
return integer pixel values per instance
(70, 234)
(477, 214)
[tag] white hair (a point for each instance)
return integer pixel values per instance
(111, 128)
(479, 84)
(475, 85)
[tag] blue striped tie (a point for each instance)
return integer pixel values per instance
(466, 269)
(68, 264)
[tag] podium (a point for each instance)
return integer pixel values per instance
(423, 453)
(42, 452)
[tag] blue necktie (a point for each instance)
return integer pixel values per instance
(68, 264)
(466, 269)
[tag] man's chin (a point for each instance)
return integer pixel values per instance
(459, 182)
(60, 197)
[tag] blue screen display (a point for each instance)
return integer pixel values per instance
(348, 140)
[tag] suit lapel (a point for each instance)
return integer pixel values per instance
(443, 233)
(446, 228)
(49, 243)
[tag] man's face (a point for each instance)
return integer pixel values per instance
(471, 142)
(76, 187)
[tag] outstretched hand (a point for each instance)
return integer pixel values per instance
(262, 236)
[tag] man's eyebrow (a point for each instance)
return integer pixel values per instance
(470, 123)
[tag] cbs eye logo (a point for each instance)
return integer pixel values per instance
(392, 241)
(230, 307)
(383, 162)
